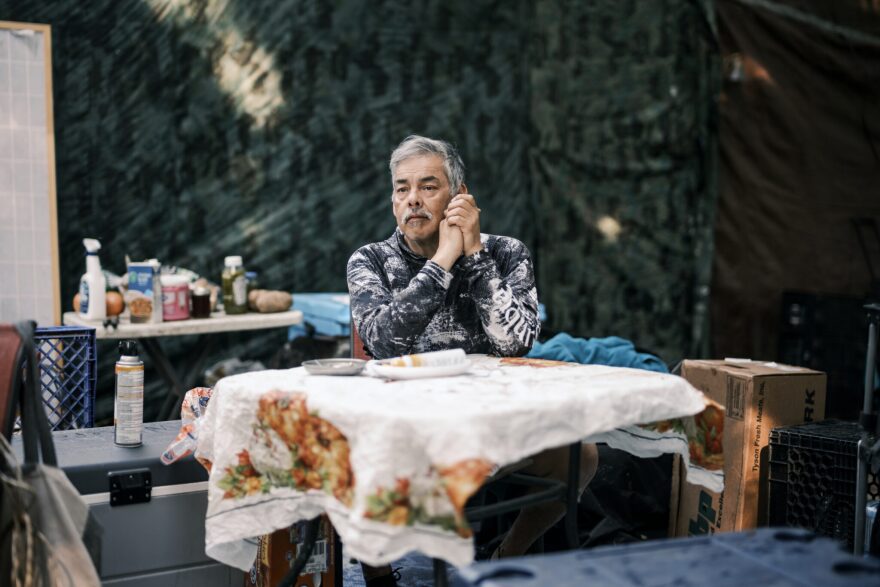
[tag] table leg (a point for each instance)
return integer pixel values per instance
(206, 346)
(440, 578)
(572, 494)
(172, 400)
(337, 559)
(164, 367)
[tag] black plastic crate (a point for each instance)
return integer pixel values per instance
(827, 333)
(813, 478)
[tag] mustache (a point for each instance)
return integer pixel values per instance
(417, 212)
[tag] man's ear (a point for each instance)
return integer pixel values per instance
(462, 189)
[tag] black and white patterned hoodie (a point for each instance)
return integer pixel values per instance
(403, 303)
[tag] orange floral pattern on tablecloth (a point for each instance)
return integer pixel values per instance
(539, 363)
(704, 432)
(318, 452)
(242, 479)
(436, 499)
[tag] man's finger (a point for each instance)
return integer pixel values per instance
(465, 199)
(458, 216)
(462, 208)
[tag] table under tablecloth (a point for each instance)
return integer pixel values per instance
(391, 462)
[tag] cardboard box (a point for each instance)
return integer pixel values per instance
(277, 551)
(757, 397)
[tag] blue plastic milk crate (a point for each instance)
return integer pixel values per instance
(68, 373)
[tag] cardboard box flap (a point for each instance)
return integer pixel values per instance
(749, 368)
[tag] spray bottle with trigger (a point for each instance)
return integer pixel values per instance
(92, 297)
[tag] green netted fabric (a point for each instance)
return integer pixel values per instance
(189, 130)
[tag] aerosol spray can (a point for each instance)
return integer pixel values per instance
(128, 407)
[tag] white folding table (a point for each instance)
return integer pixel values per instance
(149, 333)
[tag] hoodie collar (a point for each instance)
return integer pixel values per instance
(399, 242)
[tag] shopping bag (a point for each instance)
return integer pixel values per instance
(44, 522)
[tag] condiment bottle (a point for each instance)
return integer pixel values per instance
(234, 286)
(201, 302)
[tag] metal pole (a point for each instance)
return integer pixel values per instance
(440, 578)
(864, 443)
(572, 495)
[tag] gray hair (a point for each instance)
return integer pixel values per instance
(417, 146)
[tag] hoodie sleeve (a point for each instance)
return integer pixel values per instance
(388, 323)
(503, 286)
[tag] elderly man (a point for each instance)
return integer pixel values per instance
(438, 283)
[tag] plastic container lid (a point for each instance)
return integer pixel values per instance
(233, 261)
(174, 280)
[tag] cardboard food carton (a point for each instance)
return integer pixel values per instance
(143, 295)
(277, 551)
(757, 397)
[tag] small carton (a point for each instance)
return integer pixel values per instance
(143, 297)
(276, 552)
(757, 397)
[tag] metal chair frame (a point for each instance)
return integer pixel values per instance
(11, 356)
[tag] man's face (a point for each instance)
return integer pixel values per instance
(420, 196)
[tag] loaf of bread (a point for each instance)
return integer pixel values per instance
(269, 300)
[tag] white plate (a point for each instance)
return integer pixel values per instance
(389, 372)
(334, 366)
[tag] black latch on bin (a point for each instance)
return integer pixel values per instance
(131, 486)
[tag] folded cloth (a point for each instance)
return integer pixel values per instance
(612, 350)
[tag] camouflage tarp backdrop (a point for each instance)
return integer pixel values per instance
(189, 130)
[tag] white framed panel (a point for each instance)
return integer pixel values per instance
(29, 272)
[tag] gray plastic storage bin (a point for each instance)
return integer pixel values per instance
(154, 543)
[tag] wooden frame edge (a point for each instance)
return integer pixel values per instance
(46, 30)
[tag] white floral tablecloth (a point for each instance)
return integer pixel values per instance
(393, 462)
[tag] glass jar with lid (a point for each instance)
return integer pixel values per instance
(234, 286)
(201, 302)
